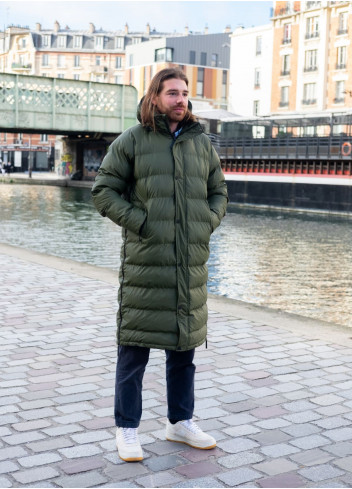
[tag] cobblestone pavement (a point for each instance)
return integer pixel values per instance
(279, 405)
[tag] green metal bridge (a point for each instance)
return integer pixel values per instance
(31, 104)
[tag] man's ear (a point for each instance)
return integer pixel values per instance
(154, 102)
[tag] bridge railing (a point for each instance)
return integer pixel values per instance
(55, 104)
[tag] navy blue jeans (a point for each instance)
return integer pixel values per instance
(131, 363)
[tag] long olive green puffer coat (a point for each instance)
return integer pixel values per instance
(169, 196)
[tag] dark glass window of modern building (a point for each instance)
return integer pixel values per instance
(192, 57)
(203, 59)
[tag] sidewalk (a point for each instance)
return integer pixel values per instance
(274, 389)
(44, 178)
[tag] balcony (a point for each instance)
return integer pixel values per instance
(283, 103)
(285, 72)
(309, 101)
(312, 35)
(341, 32)
(339, 100)
(286, 40)
(21, 67)
(309, 69)
(98, 69)
(340, 66)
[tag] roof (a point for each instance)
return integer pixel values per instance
(216, 114)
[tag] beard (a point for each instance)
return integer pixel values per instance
(176, 114)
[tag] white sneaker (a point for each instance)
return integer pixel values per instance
(188, 432)
(128, 444)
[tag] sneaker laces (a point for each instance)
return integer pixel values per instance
(130, 435)
(191, 426)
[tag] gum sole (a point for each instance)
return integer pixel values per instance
(135, 459)
(193, 446)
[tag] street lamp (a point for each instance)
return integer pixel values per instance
(30, 158)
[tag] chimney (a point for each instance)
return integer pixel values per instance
(38, 27)
(91, 28)
(186, 30)
(227, 29)
(148, 29)
(126, 28)
(206, 30)
(56, 26)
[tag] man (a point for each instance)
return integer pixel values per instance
(161, 182)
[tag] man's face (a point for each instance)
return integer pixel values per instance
(173, 99)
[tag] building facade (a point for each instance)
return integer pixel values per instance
(250, 71)
(204, 58)
(312, 52)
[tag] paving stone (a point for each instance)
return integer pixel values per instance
(201, 482)
(237, 445)
(83, 464)
(42, 459)
(239, 476)
(195, 455)
(162, 479)
(309, 442)
(339, 434)
(311, 457)
(4, 482)
(88, 479)
(34, 475)
(197, 469)
(52, 444)
(8, 466)
(270, 437)
(80, 451)
(279, 450)
(275, 467)
(165, 462)
(240, 459)
(22, 438)
(124, 472)
(282, 480)
(344, 463)
(320, 472)
(340, 449)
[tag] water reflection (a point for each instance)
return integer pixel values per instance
(295, 262)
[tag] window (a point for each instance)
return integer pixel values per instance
(343, 18)
(46, 41)
(136, 40)
(23, 43)
(163, 54)
(43, 138)
(119, 42)
(256, 107)
(214, 59)
(310, 61)
(340, 92)
(257, 78)
(45, 60)
(98, 60)
(76, 61)
(192, 57)
(60, 60)
(118, 62)
(286, 65)
(341, 57)
(284, 97)
(258, 45)
(224, 85)
(312, 27)
(200, 82)
(77, 41)
(130, 60)
(119, 79)
(76, 76)
(287, 34)
(309, 94)
(60, 75)
(99, 42)
(61, 41)
(203, 59)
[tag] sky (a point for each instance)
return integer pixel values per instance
(163, 15)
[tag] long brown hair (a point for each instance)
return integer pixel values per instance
(156, 85)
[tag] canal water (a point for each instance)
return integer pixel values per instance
(300, 263)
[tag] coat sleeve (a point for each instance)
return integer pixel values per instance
(217, 189)
(113, 181)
